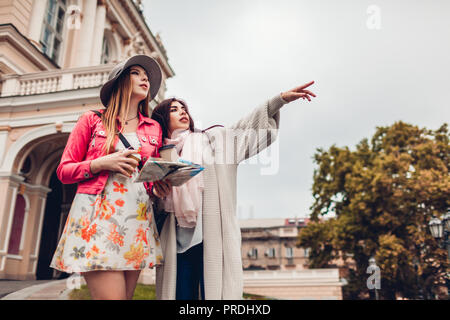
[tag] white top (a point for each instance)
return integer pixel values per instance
(189, 237)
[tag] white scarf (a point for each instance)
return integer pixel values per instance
(186, 200)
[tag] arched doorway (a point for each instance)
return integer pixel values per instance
(32, 160)
(55, 214)
(36, 163)
(50, 229)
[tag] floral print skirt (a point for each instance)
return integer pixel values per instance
(114, 230)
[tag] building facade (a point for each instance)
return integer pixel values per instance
(275, 267)
(270, 244)
(54, 57)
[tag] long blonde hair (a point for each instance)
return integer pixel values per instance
(118, 107)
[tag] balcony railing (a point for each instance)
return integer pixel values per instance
(290, 261)
(279, 277)
(54, 81)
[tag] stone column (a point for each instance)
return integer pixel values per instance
(36, 21)
(38, 199)
(4, 132)
(99, 31)
(86, 34)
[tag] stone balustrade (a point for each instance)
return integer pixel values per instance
(294, 284)
(54, 81)
(316, 275)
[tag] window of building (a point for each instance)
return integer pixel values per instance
(271, 253)
(289, 252)
(306, 252)
(253, 253)
(17, 226)
(26, 167)
(53, 26)
(106, 51)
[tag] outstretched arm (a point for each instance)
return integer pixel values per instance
(255, 132)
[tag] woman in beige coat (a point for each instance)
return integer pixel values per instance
(222, 149)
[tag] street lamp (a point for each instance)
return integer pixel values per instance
(440, 230)
(373, 268)
(446, 219)
(416, 263)
(436, 228)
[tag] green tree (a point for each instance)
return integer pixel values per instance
(383, 194)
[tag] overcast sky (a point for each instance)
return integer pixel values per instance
(373, 63)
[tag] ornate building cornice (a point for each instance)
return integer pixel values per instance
(145, 35)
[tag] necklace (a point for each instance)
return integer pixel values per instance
(126, 121)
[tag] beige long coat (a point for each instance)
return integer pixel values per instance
(223, 272)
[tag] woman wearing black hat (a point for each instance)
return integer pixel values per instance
(110, 234)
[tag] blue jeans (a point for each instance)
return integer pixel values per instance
(190, 274)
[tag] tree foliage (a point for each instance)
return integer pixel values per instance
(382, 196)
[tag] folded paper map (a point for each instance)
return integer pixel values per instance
(176, 172)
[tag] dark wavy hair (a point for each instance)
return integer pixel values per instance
(161, 114)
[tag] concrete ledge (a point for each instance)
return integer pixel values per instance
(308, 284)
(47, 291)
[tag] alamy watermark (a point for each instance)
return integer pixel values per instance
(234, 146)
(74, 281)
(374, 280)
(373, 21)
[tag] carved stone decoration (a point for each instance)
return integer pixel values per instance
(114, 26)
(74, 17)
(154, 55)
(160, 43)
(135, 46)
(139, 5)
(58, 127)
(22, 189)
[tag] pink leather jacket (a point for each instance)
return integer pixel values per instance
(86, 143)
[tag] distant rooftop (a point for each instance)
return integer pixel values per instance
(272, 223)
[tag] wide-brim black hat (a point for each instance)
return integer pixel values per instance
(149, 64)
